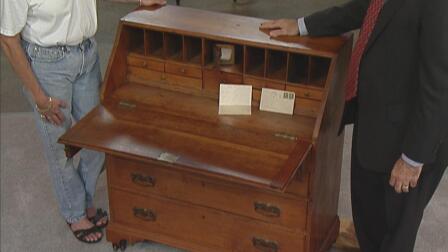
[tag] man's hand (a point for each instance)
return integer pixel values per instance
(281, 27)
(153, 2)
(403, 175)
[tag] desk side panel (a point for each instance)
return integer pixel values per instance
(327, 159)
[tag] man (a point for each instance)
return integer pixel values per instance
(397, 97)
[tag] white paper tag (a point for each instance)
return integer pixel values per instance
(226, 53)
(235, 99)
(278, 101)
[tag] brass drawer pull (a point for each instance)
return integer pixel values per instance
(144, 214)
(142, 180)
(264, 245)
(267, 209)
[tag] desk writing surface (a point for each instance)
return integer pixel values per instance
(257, 157)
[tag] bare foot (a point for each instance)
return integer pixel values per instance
(91, 212)
(84, 223)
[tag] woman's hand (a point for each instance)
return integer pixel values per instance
(153, 2)
(50, 109)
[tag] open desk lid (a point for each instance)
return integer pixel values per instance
(210, 149)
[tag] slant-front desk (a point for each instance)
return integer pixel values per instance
(180, 174)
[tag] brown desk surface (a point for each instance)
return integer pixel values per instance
(220, 147)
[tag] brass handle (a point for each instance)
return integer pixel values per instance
(142, 180)
(264, 245)
(144, 214)
(307, 94)
(267, 210)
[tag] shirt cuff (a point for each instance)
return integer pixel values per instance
(302, 27)
(410, 162)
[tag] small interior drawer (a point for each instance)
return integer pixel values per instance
(213, 78)
(256, 83)
(275, 85)
(146, 63)
(181, 81)
(184, 70)
(303, 92)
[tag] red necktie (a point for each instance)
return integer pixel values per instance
(364, 35)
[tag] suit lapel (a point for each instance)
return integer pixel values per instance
(386, 15)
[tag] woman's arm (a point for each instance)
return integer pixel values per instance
(14, 52)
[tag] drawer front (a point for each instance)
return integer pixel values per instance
(307, 93)
(256, 83)
(146, 63)
(184, 70)
(144, 76)
(275, 85)
(182, 81)
(213, 78)
(199, 225)
(242, 200)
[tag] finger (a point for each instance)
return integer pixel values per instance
(276, 33)
(49, 119)
(55, 119)
(392, 180)
(398, 186)
(62, 104)
(413, 182)
(405, 188)
(60, 115)
(270, 25)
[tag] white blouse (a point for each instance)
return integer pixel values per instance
(49, 22)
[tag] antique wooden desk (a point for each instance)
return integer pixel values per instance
(180, 174)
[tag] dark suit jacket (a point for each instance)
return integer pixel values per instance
(402, 104)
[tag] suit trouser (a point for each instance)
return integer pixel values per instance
(386, 221)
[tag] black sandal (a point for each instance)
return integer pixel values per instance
(82, 234)
(100, 214)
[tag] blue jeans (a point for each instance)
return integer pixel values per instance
(72, 74)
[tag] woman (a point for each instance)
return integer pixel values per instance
(51, 47)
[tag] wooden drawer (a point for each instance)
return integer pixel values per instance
(255, 82)
(182, 81)
(275, 85)
(302, 92)
(148, 77)
(259, 83)
(184, 70)
(213, 78)
(146, 63)
(147, 179)
(155, 218)
(144, 76)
